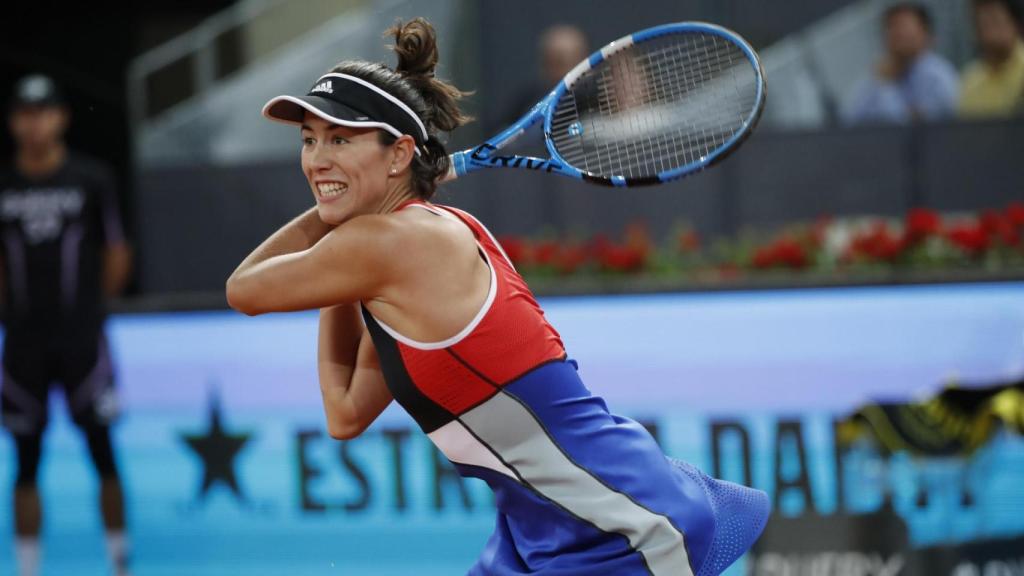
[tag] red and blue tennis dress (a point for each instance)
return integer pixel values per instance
(579, 491)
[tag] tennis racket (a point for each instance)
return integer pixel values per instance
(648, 108)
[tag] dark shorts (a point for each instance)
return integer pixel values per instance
(82, 369)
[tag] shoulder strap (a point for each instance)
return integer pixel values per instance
(483, 235)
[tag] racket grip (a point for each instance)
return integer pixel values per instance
(450, 175)
(456, 167)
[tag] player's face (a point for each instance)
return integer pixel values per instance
(36, 127)
(347, 169)
(905, 35)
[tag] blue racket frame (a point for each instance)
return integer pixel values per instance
(486, 155)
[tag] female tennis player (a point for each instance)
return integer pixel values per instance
(419, 303)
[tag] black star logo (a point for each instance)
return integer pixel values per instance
(217, 450)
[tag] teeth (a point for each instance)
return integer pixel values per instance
(329, 189)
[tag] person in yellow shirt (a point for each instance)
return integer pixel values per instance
(993, 86)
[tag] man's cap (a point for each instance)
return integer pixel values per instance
(36, 90)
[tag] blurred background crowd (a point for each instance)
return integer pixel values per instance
(889, 156)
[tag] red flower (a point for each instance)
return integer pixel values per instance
(1015, 213)
(790, 253)
(782, 252)
(921, 223)
(598, 244)
(1000, 226)
(888, 248)
(991, 222)
(546, 253)
(878, 243)
(622, 258)
(571, 258)
(1010, 236)
(688, 242)
(517, 249)
(971, 238)
(764, 257)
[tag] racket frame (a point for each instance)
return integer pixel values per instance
(487, 154)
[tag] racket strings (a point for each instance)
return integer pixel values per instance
(668, 83)
(700, 64)
(674, 87)
(656, 106)
(706, 66)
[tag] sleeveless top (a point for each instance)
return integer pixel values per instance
(578, 490)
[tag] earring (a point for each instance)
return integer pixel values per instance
(394, 170)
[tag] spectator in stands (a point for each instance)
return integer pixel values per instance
(911, 82)
(993, 86)
(561, 48)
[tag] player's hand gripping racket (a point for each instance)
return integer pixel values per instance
(648, 108)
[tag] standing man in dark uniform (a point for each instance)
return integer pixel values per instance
(63, 253)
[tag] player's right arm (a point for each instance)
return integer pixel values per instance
(351, 381)
(309, 265)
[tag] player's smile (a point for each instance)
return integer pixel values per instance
(330, 190)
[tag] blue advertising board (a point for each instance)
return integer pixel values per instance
(229, 469)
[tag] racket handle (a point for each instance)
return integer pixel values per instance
(450, 175)
(456, 167)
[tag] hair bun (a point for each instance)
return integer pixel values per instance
(416, 47)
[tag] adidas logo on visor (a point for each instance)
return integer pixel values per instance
(323, 87)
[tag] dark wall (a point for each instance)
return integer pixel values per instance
(86, 47)
(88, 62)
(196, 224)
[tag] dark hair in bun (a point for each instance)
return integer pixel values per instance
(416, 46)
(413, 82)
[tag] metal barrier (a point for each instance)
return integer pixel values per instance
(218, 119)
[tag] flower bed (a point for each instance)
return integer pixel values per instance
(924, 242)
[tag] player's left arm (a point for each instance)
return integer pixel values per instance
(351, 381)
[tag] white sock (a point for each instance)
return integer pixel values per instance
(117, 549)
(26, 549)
